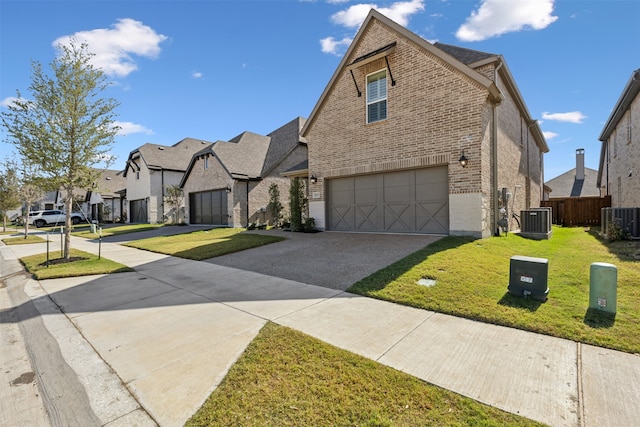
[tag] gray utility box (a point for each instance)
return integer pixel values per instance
(528, 277)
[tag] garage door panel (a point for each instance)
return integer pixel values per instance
(208, 207)
(398, 218)
(414, 201)
(432, 217)
(342, 218)
(367, 218)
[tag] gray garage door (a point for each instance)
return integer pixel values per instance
(415, 201)
(208, 207)
(138, 210)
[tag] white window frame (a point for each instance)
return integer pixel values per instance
(378, 99)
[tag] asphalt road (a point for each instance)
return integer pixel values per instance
(61, 394)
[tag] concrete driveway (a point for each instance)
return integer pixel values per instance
(329, 259)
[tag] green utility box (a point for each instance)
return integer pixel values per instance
(603, 287)
(528, 277)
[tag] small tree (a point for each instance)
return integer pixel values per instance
(297, 203)
(9, 190)
(174, 198)
(67, 128)
(275, 207)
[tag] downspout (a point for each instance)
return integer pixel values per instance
(247, 203)
(162, 195)
(494, 156)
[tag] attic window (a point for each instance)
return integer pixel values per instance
(206, 162)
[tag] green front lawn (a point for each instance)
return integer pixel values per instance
(205, 244)
(286, 378)
(472, 277)
(81, 264)
(85, 231)
(21, 240)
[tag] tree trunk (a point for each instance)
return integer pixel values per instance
(26, 220)
(68, 205)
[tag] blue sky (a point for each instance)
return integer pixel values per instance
(213, 69)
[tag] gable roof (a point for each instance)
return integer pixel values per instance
(463, 60)
(464, 55)
(250, 155)
(566, 185)
(243, 156)
(110, 182)
(175, 157)
(375, 15)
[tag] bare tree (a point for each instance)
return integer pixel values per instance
(67, 128)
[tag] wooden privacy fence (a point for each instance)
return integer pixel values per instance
(576, 211)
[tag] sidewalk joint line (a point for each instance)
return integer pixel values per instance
(580, 400)
(429, 316)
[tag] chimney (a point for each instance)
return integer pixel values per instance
(580, 164)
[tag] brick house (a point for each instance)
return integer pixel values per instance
(150, 169)
(414, 137)
(618, 172)
(227, 182)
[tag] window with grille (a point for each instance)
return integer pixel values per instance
(377, 96)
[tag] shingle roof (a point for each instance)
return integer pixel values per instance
(464, 55)
(175, 157)
(243, 155)
(283, 141)
(250, 155)
(110, 182)
(566, 185)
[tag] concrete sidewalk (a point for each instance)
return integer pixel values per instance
(171, 330)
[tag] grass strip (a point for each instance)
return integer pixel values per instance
(85, 230)
(80, 264)
(205, 244)
(21, 240)
(286, 378)
(472, 277)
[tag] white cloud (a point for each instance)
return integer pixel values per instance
(127, 128)
(115, 48)
(496, 17)
(355, 15)
(399, 12)
(570, 117)
(549, 135)
(197, 75)
(336, 47)
(11, 100)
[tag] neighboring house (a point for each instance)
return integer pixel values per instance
(619, 171)
(106, 200)
(420, 138)
(150, 169)
(227, 183)
(577, 182)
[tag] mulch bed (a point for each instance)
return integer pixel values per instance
(63, 260)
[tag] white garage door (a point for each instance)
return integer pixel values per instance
(414, 201)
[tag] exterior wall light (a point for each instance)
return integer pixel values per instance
(313, 179)
(228, 189)
(463, 160)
